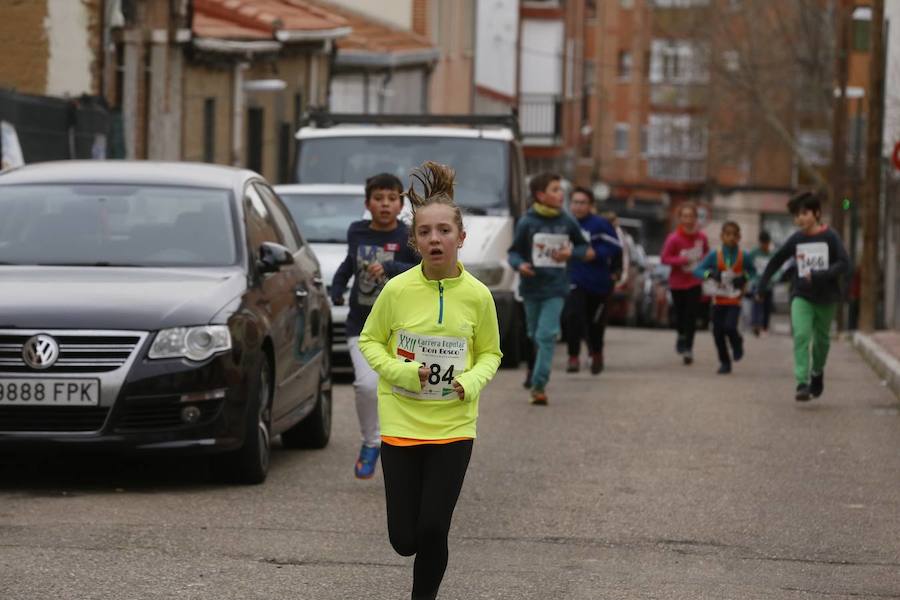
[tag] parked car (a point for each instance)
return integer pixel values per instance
(656, 300)
(159, 307)
(624, 304)
(323, 212)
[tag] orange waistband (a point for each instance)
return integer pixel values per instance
(404, 441)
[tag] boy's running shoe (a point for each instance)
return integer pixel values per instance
(724, 369)
(817, 384)
(538, 397)
(572, 366)
(365, 464)
(596, 363)
(738, 350)
(527, 383)
(687, 357)
(803, 394)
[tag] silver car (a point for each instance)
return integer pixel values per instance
(323, 212)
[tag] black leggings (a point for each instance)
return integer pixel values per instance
(725, 331)
(585, 319)
(687, 307)
(421, 486)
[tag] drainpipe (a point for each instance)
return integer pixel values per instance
(237, 112)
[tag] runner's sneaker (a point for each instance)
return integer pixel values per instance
(539, 397)
(572, 366)
(802, 394)
(817, 384)
(596, 363)
(365, 464)
(724, 369)
(687, 357)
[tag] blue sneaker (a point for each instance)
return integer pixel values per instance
(365, 464)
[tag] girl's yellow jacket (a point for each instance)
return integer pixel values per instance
(442, 313)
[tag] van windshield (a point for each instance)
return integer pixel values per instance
(482, 176)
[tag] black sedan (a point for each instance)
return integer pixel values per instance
(159, 307)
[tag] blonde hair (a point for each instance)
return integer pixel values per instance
(437, 182)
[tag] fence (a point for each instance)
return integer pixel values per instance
(58, 129)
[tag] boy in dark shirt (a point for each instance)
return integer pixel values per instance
(377, 249)
(820, 262)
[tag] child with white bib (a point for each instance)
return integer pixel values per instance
(433, 339)
(821, 261)
(546, 239)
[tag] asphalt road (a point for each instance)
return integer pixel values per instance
(653, 480)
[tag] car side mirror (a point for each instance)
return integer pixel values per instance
(272, 257)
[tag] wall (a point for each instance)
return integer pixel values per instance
(497, 32)
(202, 82)
(50, 46)
(70, 56)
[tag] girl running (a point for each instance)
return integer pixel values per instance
(684, 249)
(433, 339)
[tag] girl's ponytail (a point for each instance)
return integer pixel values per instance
(437, 183)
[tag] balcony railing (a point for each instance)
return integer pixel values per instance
(540, 117)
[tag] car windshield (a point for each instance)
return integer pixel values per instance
(116, 225)
(324, 218)
(480, 164)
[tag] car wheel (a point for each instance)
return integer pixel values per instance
(250, 464)
(314, 431)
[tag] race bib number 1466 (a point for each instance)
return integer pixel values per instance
(811, 257)
(444, 357)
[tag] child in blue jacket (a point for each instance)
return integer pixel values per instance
(591, 281)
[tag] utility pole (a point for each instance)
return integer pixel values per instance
(839, 128)
(868, 301)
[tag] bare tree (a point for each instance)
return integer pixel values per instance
(771, 81)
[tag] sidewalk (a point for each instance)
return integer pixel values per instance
(882, 350)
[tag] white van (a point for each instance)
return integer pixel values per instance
(490, 183)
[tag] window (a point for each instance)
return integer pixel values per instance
(260, 227)
(209, 130)
(676, 136)
(283, 221)
(677, 62)
(644, 139)
(625, 65)
(621, 142)
(862, 28)
(626, 3)
(731, 60)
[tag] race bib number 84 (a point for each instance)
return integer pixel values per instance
(444, 357)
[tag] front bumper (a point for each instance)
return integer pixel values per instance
(141, 408)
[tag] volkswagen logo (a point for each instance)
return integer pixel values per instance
(40, 352)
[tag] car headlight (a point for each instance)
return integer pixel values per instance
(489, 274)
(194, 343)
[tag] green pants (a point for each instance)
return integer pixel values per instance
(811, 324)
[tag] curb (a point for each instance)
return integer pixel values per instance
(887, 367)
